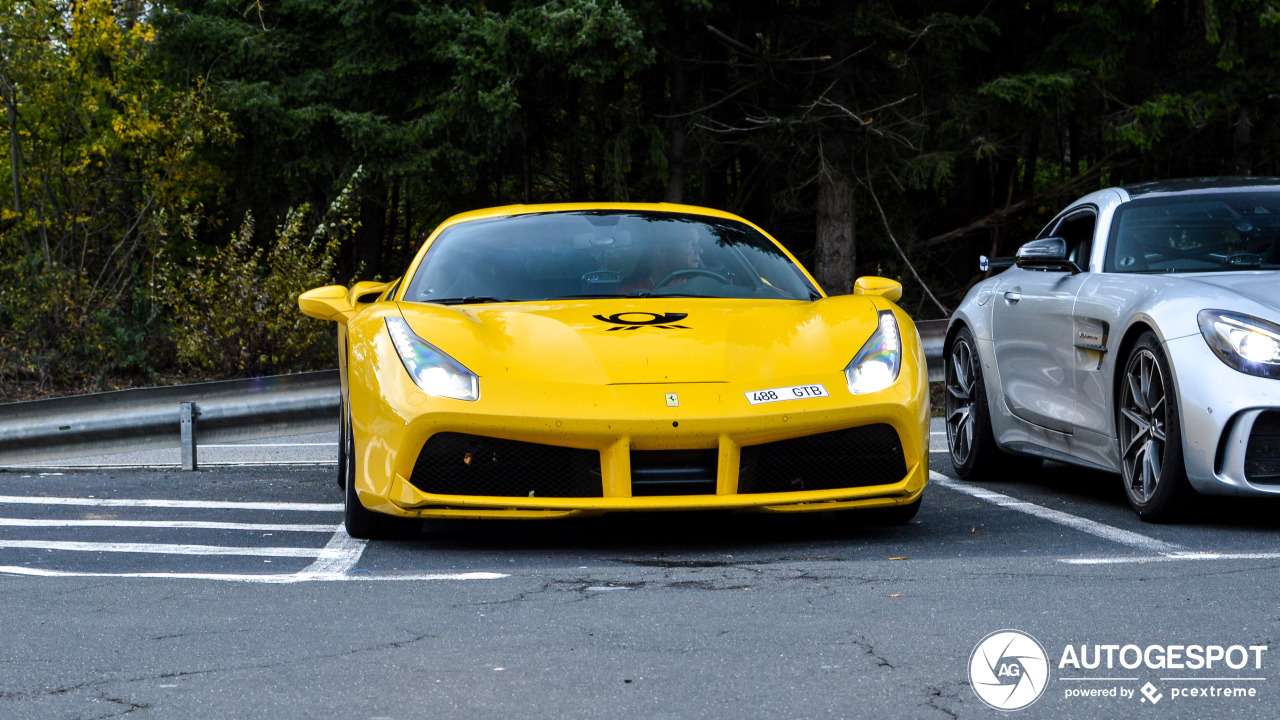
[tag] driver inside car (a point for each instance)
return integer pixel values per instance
(677, 249)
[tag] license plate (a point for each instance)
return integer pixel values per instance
(795, 392)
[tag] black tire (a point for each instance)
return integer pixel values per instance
(1149, 435)
(970, 441)
(896, 515)
(341, 476)
(360, 521)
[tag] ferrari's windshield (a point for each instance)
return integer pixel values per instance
(1197, 233)
(601, 254)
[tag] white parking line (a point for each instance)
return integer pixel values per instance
(165, 466)
(1171, 557)
(338, 557)
(199, 504)
(169, 524)
(261, 463)
(261, 445)
(269, 579)
(333, 563)
(161, 548)
(1092, 527)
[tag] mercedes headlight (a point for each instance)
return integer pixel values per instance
(1246, 343)
(876, 365)
(433, 371)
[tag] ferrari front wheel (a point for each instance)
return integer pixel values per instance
(972, 444)
(360, 521)
(1150, 435)
(342, 449)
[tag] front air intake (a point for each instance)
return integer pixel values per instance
(1262, 457)
(673, 472)
(856, 457)
(459, 464)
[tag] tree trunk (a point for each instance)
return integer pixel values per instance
(676, 134)
(836, 233)
(1073, 146)
(373, 225)
(410, 248)
(715, 185)
(526, 166)
(675, 166)
(1241, 140)
(1029, 163)
(15, 158)
(392, 229)
(574, 158)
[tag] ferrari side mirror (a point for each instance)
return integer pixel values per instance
(1045, 254)
(326, 303)
(365, 292)
(884, 287)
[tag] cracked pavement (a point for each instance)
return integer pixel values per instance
(693, 615)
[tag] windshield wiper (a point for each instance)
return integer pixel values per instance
(468, 300)
(593, 296)
(648, 294)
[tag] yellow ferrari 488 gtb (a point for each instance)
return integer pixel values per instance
(554, 360)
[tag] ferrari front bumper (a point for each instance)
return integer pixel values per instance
(619, 421)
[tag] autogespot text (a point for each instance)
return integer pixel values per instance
(1161, 657)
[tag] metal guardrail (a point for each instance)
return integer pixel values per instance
(183, 415)
(150, 418)
(932, 334)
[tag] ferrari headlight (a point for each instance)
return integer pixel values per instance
(433, 371)
(876, 365)
(1248, 344)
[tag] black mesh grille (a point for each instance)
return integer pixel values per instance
(673, 472)
(1262, 458)
(857, 457)
(458, 464)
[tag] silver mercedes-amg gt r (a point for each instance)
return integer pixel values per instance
(1139, 333)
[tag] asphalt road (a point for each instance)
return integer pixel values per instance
(231, 592)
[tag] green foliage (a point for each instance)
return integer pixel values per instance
(235, 313)
(1040, 93)
(103, 143)
(173, 157)
(51, 340)
(108, 165)
(1142, 127)
(927, 171)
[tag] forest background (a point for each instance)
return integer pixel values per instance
(180, 170)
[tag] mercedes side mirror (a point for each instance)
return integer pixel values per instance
(1045, 254)
(996, 263)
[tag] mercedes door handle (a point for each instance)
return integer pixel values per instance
(1013, 296)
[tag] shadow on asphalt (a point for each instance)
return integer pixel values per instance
(694, 531)
(1079, 485)
(1058, 486)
